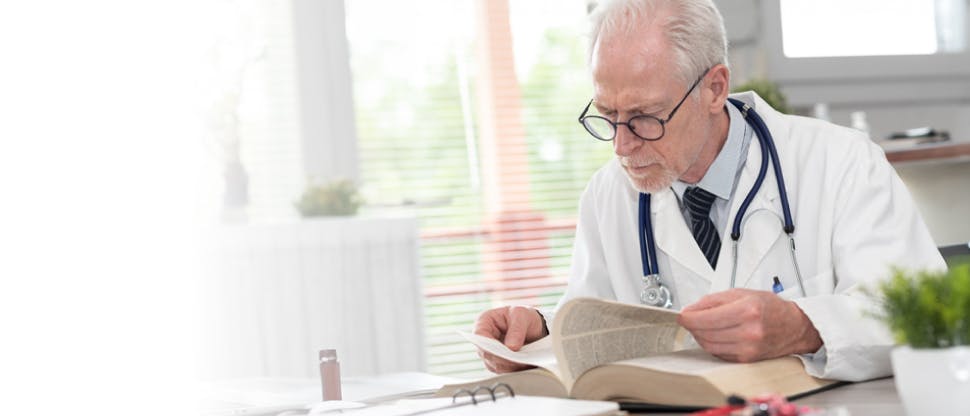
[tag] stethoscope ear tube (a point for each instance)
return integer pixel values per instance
(767, 150)
(768, 141)
(762, 172)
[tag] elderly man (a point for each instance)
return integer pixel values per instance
(661, 85)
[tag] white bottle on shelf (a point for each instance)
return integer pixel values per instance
(821, 112)
(859, 121)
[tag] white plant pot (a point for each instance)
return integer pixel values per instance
(933, 381)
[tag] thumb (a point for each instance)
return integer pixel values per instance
(518, 327)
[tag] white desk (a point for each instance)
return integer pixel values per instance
(270, 396)
(259, 397)
(876, 397)
(870, 398)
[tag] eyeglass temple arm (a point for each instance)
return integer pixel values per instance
(583, 114)
(689, 90)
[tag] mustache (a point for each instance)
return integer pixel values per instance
(638, 161)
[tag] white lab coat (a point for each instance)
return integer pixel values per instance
(854, 219)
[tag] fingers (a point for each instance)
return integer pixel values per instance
(514, 326)
(755, 325)
(498, 364)
(744, 343)
(493, 323)
(524, 325)
(490, 324)
(734, 335)
(719, 317)
(723, 310)
(714, 300)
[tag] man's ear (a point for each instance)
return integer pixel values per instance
(718, 84)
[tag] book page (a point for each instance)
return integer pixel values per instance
(591, 332)
(694, 362)
(538, 353)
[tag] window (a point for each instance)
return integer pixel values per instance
(889, 52)
(486, 152)
(889, 27)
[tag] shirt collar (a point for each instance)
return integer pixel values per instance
(720, 177)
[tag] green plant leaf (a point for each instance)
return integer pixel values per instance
(768, 91)
(928, 310)
(337, 198)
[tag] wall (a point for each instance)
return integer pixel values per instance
(329, 134)
(941, 191)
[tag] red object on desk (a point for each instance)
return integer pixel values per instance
(719, 411)
(774, 404)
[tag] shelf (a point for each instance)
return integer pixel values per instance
(931, 152)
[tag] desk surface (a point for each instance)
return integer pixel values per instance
(877, 397)
(870, 398)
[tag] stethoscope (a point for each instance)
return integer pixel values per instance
(655, 293)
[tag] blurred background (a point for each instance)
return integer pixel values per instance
(215, 190)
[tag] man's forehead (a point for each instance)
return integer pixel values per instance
(638, 86)
(631, 67)
(639, 100)
(647, 48)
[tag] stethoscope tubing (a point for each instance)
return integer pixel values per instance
(762, 173)
(647, 243)
(766, 140)
(648, 248)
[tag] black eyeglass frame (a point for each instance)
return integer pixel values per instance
(663, 122)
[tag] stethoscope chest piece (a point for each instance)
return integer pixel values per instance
(654, 293)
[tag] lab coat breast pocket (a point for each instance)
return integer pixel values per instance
(816, 284)
(778, 263)
(775, 263)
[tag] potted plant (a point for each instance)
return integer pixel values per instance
(929, 316)
(336, 198)
(768, 91)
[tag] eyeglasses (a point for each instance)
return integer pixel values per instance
(643, 126)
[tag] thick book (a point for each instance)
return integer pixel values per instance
(604, 350)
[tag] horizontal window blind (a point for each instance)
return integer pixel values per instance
(497, 222)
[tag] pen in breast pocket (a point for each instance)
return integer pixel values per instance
(777, 287)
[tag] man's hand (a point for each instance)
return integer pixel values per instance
(746, 325)
(514, 326)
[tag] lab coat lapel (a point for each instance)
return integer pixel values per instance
(759, 230)
(673, 237)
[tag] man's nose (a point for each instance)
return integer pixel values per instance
(625, 143)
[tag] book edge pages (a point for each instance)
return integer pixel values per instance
(713, 384)
(613, 382)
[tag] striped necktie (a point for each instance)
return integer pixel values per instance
(699, 202)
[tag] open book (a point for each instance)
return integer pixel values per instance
(604, 350)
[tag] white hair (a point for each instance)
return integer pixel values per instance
(694, 30)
